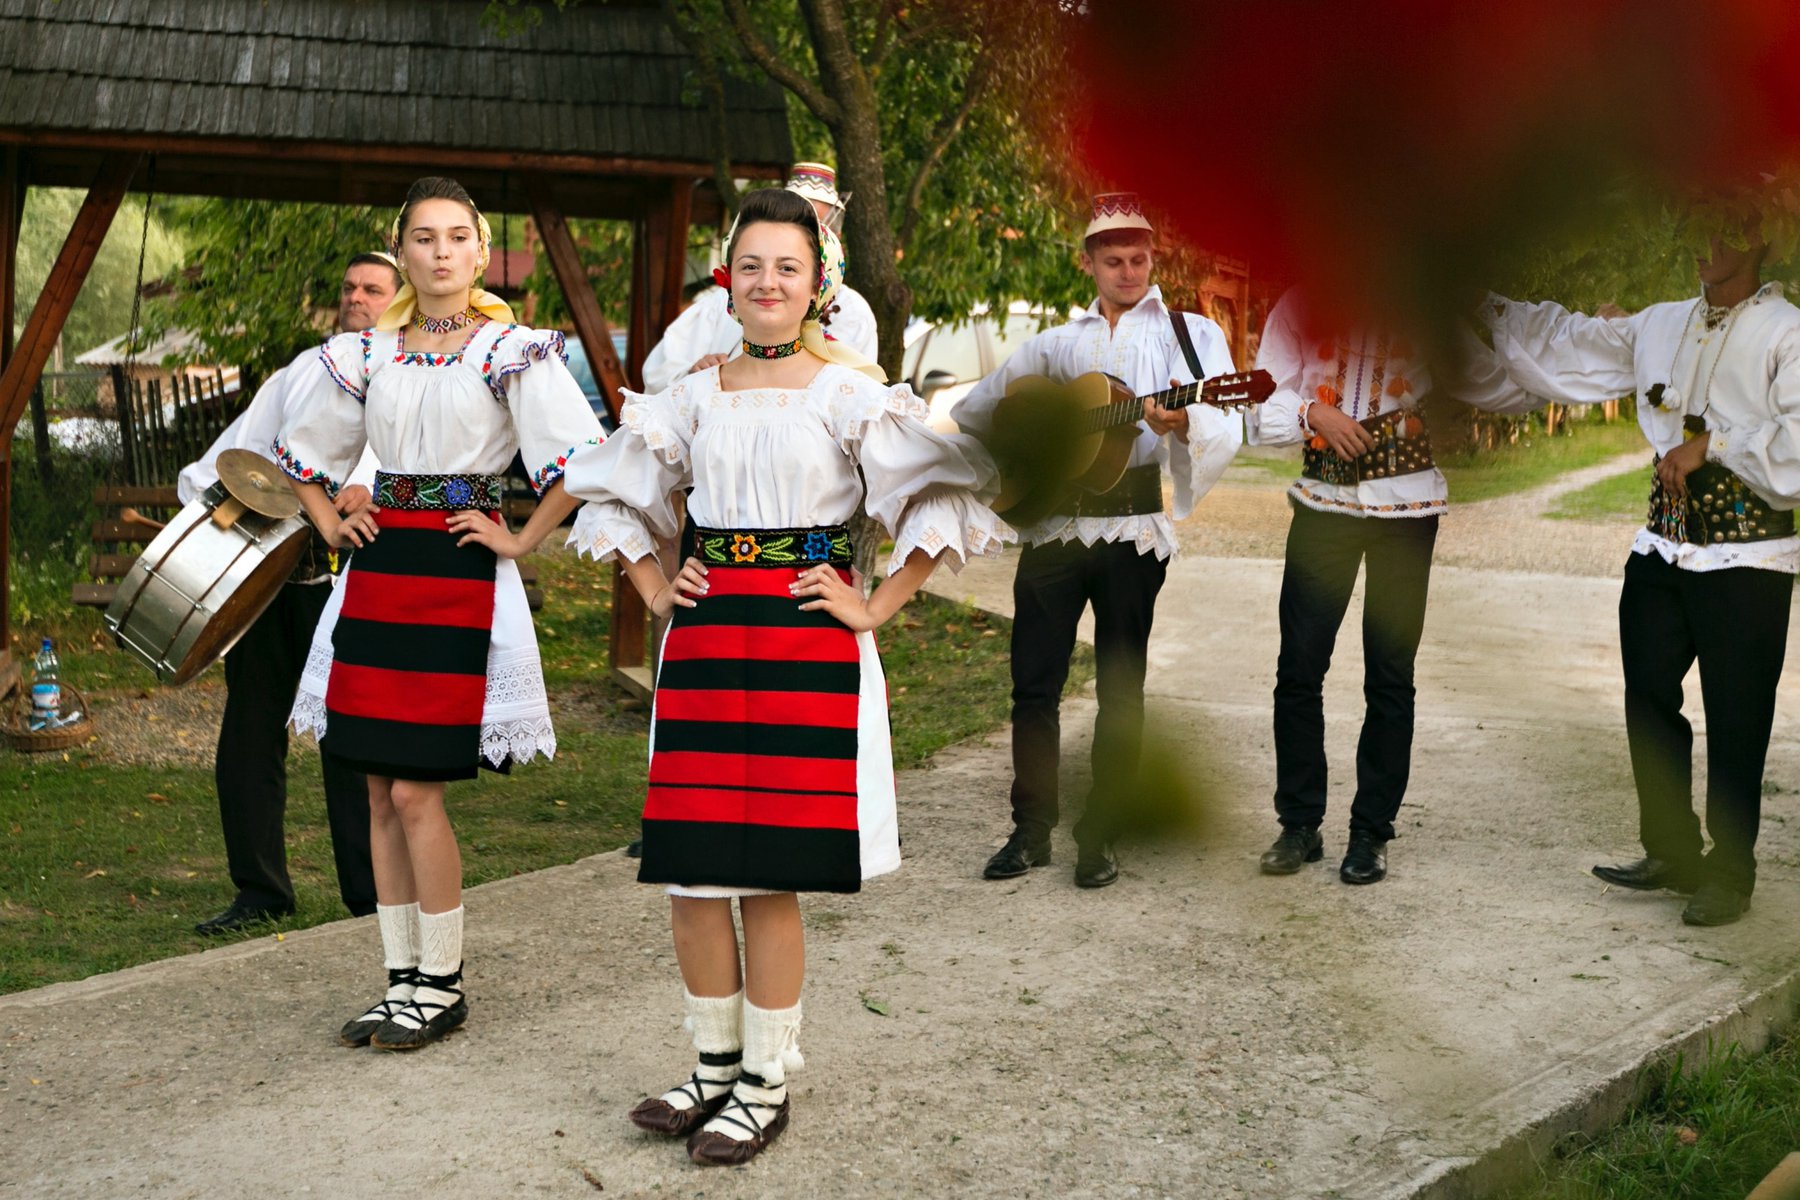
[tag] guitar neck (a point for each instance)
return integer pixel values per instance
(1128, 412)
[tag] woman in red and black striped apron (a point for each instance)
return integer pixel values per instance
(770, 767)
(425, 666)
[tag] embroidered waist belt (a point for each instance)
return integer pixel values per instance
(774, 547)
(1720, 507)
(1395, 453)
(445, 492)
(1139, 491)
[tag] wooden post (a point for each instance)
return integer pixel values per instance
(578, 293)
(12, 213)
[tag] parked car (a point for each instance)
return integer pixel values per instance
(583, 371)
(943, 362)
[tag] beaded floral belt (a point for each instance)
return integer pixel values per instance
(1720, 507)
(1395, 453)
(447, 492)
(774, 547)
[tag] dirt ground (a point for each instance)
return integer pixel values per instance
(1197, 1030)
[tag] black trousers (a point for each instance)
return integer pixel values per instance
(1735, 623)
(261, 674)
(1323, 553)
(1054, 584)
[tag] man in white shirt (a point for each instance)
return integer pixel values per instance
(705, 335)
(1711, 575)
(1369, 497)
(263, 669)
(1112, 550)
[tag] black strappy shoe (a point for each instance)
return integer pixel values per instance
(763, 1122)
(657, 1115)
(358, 1031)
(424, 1019)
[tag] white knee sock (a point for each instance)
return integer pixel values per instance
(399, 934)
(771, 1050)
(717, 1023)
(440, 954)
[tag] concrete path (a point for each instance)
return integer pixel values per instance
(1195, 1031)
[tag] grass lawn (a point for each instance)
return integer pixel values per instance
(106, 866)
(1625, 495)
(1485, 474)
(1708, 1136)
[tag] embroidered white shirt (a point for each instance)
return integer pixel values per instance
(1738, 369)
(1381, 373)
(1141, 351)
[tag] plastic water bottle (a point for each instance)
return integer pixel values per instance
(46, 692)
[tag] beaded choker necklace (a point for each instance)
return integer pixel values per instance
(783, 350)
(449, 324)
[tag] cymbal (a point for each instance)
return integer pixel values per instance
(257, 484)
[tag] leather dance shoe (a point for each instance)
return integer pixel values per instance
(657, 1115)
(1365, 861)
(1292, 850)
(712, 1149)
(1651, 874)
(1023, 851)
(239, 917)
(392, 1035)
(1715, 904)
(1095, 867)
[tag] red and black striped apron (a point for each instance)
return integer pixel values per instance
(410, 649)
(753, 767)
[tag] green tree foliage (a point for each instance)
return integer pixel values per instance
(102, 310)
(259, 274)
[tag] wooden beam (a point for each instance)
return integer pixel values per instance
(66, 277)
(578, 293)
(681, 210)
(438, 156)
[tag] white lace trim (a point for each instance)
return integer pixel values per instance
(976, 532)
(1774, 554)
(602, 535)
(1150, 532)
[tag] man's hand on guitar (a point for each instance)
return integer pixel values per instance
(1346, 437)
(1165, 420)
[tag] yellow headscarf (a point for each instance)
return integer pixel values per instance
(831, 282)
(406, 300)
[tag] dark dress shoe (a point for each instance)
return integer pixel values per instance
(1365, 861)
(1023, 851)
(1095, 867)
(1292, 850)
(1715, 904)
(636, 849)
(239, 917)
(1651, 874)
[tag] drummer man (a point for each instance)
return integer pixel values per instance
(263, 670)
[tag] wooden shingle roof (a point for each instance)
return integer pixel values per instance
(597, 81)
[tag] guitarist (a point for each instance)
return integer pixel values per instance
(1111, 549)
(1368, 492)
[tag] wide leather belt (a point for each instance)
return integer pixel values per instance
(451, 493)
(1138, 491)
(1719, 508)
(1395, 453)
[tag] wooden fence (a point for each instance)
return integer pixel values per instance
(165, 424)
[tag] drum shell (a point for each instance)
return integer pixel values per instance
(198, 586)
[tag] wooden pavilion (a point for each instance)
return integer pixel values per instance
(345, 102)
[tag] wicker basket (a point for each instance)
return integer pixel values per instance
(30, 741)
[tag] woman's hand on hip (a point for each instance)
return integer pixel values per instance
(482, 530)
(689, 582)
(823, 590)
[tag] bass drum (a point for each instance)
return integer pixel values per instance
(204, 580)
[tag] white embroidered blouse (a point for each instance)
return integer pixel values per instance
(1738, 369)
(784, 458)
(1372, 373)
(463, 413)
(1140, 350)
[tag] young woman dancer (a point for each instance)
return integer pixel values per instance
(425, 665)
(770, 769)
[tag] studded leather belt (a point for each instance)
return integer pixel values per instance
(1395, 453)
(1719, 508)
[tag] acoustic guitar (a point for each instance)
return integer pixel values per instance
(1053, 439)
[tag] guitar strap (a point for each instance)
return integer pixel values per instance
(1178, 319)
